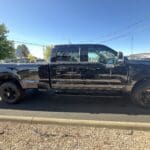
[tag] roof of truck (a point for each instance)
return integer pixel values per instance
(74, 45)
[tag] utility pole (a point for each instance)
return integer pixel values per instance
(132, 43)
(43, 50)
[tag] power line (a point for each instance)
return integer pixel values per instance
(29, 43)
(125, 28)
(132, 43)
(125, 34)
(110, 36)
(119, 33)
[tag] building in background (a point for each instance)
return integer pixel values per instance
(143, 56)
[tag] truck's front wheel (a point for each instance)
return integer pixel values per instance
(141, 94)
(10, 92)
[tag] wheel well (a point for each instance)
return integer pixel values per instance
(10, 79)
(140, 82)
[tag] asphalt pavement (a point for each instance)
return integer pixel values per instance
(105, 108)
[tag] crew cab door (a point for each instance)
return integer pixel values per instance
(64, 60)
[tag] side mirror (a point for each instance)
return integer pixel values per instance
(120, 55)
(120, 58)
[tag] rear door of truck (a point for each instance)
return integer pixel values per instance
(62, 67)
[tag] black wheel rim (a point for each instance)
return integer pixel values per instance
(10, 94)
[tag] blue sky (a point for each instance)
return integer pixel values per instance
(123, 25)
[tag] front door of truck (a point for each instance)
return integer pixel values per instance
(100, 70)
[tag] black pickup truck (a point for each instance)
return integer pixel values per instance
(79, 69)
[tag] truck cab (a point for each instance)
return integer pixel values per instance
(87, 68)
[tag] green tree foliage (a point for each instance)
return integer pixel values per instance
(32, 58)
(7, 49)
(22, 51)
(47, 53)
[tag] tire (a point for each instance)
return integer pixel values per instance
(141, 94)
(10, 93)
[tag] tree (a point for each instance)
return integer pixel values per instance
(7, 49)
(32, 58)
(47, 53)
(22, 51)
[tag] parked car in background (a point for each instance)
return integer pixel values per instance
(40, 61)
(23, 60)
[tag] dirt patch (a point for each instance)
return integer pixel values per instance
(21, 136)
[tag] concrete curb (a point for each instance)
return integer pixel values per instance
(91, 123)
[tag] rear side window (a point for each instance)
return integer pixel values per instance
(67, 55)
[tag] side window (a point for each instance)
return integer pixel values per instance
(67, 55)
(109, 57)
(93, 57)
(99, 55)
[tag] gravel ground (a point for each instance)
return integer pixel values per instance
(21, 136)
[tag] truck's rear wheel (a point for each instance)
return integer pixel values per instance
(141, 94)
(10, 92)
